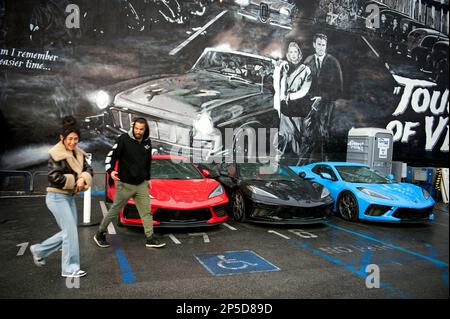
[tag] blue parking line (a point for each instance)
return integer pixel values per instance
(127, 273)
(434, 253)
(436, 262)
(361, 272)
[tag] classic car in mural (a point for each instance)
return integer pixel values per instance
(279, 13)
(189, 113)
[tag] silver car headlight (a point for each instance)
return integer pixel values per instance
(203, 124)
(242, 3)
(102, 99)
(217, 191)
(285, 12)
(425, 193)
(259, 191)
(372, 193)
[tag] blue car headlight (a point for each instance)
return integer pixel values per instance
(217, 191)
(425, 193)
(372, 193)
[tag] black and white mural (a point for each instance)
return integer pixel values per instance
(220, 78)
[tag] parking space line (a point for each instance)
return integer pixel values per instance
(276, 233)
(111, 229)
(360, 272)
(204, 235)
(125, 268)
(229, 226)
(174, 239)
(436, 262)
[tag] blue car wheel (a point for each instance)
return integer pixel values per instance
(348, 206)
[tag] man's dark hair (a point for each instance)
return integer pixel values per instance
(69, 125)
(140, 120)
(320, 36)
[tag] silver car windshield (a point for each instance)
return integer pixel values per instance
(237, 67)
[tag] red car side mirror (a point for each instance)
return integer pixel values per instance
(206, 173)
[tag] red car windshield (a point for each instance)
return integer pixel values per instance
(168, 169)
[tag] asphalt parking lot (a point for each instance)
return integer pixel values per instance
(233, 260)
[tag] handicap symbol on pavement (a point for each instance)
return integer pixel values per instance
(235, 262)
(238, 264)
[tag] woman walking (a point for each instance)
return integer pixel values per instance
(68, 174)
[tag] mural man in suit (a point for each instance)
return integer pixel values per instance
(327, 87)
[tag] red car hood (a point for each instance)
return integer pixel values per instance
(182, 191)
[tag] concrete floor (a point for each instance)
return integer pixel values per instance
(322, 261)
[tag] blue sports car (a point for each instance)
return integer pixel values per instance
(360, 192)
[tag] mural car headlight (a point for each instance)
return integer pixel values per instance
(372, 193)
(285, 12)
(259, 191)
(217, 191)
(203, 124)
(425, 193)
(102, 99)
(243, 3)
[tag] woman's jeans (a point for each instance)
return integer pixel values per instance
(64, 209)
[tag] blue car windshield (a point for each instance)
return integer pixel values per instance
(362, 174)
(168, 169)
(270, 172)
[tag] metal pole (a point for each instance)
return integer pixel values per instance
(87, 197)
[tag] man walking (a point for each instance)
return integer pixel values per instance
(133, 152)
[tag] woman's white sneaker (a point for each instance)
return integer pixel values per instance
(38, 261)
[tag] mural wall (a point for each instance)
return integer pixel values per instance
(210, 76)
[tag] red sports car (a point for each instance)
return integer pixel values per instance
(181, 196)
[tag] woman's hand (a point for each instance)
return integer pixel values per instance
(80, 185)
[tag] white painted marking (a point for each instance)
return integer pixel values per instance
(111, 229)
(229, 226)
(205, 236)
(303, 234)
(23, 248)
(174, 239)
(225, 263)
(196, 34)
(276, 233)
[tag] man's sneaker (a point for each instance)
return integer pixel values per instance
(76, 274)
(38, 261)
(154, 242)
(100, 240)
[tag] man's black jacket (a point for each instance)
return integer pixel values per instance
(133, 157)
